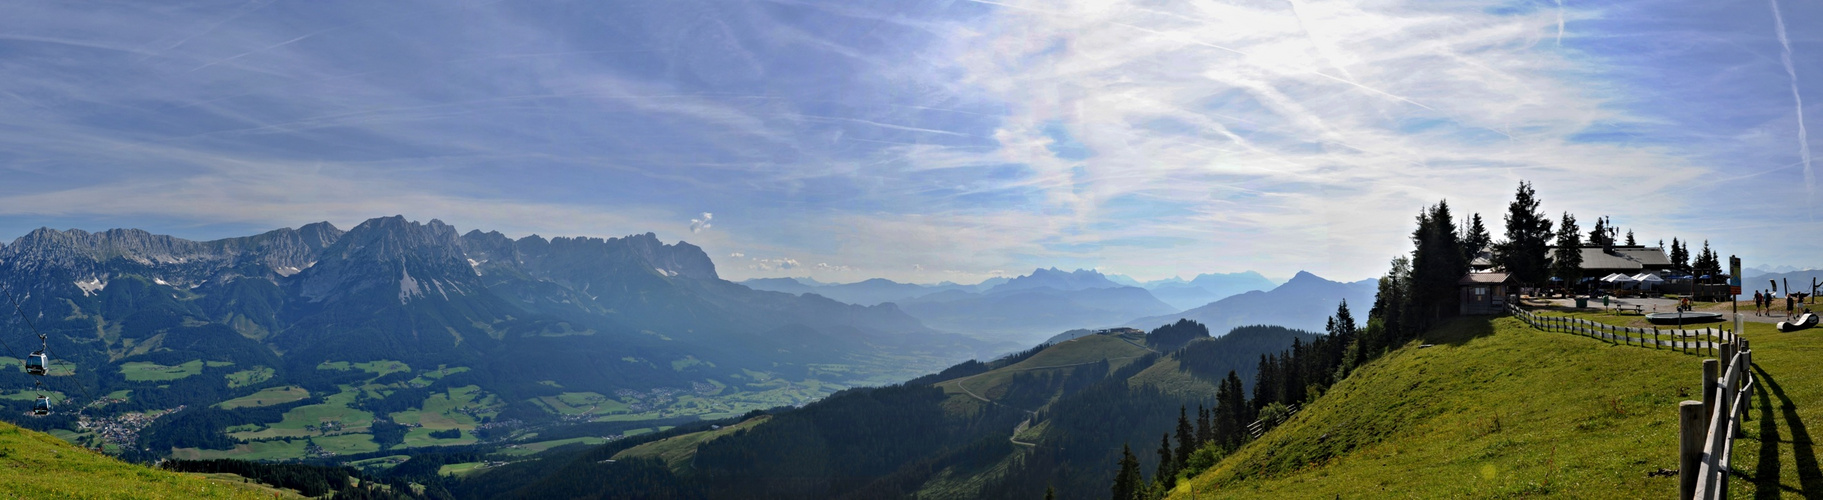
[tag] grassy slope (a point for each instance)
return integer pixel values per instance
(1168, 376)
(1577, 417)
(1494, 409)
(1118, 350)
(41, 466)
(677, 451)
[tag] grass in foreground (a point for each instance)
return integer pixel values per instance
(1494, 409)
(42, 466)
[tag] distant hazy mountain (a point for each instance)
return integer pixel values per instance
(1206, 288)
(1125, 280)
(1303, 303)
(1798, 281)
(1080, 279)
(526, 316)
(1034, 306)
(1762, 270)
(870, 292)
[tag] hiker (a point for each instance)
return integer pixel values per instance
(1759, 300)
(1788, 306)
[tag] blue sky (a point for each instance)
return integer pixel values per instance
(921, 141)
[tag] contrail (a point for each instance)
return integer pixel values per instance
(1560, 22)
(1810, 177)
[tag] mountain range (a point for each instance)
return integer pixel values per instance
(1304, 303)
(516, 323)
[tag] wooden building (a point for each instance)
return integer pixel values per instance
(1483, 293)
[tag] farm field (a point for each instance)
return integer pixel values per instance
(249, 377)
(142, 371)
(267, 397)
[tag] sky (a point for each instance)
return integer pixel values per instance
(923, 141)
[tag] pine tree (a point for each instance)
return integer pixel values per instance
(1630, 240)
(1527, 235)
(1566, 262)
(1127, 482)
(1050, 493)
(1241, 416)
(1186, 438)
(1203, 433)
(1437, 262)
(1167, 464)
(1680, 256)
(1597, 236)
(1477, 238)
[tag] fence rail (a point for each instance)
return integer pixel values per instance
(1258, 427)
(1688, 340)
(1729, 397)
(1707, 428)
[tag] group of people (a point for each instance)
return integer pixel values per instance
(1766, 303)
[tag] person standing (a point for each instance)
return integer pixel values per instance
(1789, 303)
(1759, 299)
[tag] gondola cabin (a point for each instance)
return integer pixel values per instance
(35, 363)
(42, 406)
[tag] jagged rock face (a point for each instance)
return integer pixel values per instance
(388, 255)
(48, 257)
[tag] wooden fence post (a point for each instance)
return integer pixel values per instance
(1689, 447)
(1711, 371)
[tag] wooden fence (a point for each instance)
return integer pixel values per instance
(1258, 427)
(1706, 428)
(1686, 340)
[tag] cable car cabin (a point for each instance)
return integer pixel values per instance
(41, 407)
(35, 363)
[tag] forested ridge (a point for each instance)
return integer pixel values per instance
(917, 439)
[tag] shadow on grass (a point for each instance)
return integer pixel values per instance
(1766, 476)
(1460, 330)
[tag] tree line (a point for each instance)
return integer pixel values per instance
(1419, 290)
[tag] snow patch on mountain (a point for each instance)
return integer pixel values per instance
(92, 286)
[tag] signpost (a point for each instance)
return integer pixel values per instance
(1734, 282)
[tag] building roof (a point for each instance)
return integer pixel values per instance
(1484, 278)
(1622, 258)
(1483, 259)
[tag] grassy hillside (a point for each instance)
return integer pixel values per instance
(1116, 349)
(677, 451)
(1497, 409)
(42, 466)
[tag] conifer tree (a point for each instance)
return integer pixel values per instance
(1475, 239)
(1528, 232)
(1203, 433)
(1598, 235)
(1186, 438)
(1630, 240)
(1050, 493)
(1127, 482)
(1167, 467)
(1680, 256)
(1566, 261)
(1437, 262)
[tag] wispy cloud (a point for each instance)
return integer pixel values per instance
(878, 139)
(1810, 179)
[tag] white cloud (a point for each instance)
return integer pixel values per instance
(737, 255)
(698, 225)
(759, 264)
